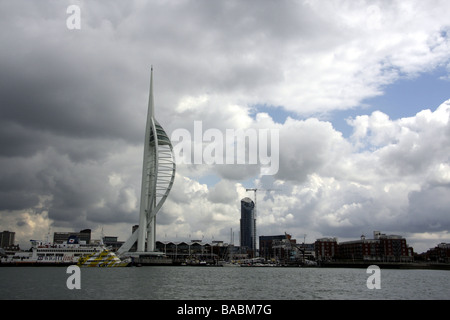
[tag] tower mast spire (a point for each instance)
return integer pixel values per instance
(151, 108)
(158, 174)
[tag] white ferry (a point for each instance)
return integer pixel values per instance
(70, 253)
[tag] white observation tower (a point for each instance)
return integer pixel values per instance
(158, 174)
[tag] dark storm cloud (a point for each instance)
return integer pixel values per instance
(65, 98)
(82, 193)
(17, 200)
(67, 109)
(430, 208)
(20, 188)
(16, 140)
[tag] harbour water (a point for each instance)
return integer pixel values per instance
(219, 283)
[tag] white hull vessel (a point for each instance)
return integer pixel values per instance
(45, 254)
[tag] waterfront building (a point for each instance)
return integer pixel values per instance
(196, 251)
(266, 249)
(393, 247)
(248, 226)
(283, 248)
(440, 253)
(389, 248)
(7, 239)
(362, 249)
(326, 248)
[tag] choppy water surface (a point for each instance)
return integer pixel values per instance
(218, 283)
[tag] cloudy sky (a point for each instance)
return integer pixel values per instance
(357, 89)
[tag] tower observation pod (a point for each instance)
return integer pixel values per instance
(158, 174)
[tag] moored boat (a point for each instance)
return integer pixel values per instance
(70, 253)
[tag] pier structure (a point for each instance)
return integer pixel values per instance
(158, 174)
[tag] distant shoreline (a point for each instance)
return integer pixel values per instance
(334, 264)
(387, 265)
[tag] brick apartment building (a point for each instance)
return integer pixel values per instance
(326, 248)
(440, 253)
(381, 248)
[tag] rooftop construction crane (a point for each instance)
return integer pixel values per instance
(256, 189)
